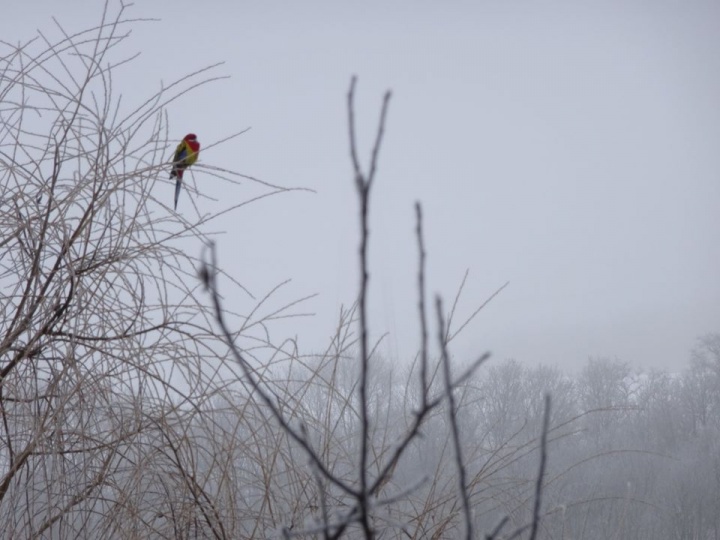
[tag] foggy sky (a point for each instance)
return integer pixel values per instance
(569, 149)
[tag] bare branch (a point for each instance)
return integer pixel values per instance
(452, 414)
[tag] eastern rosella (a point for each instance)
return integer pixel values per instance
(186, 154)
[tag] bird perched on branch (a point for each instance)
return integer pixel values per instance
(186, 154)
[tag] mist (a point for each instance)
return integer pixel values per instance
(440, 271)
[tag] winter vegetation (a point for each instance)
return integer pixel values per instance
(143, 393)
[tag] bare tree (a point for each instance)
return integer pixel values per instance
(349, 485)
(104, 346)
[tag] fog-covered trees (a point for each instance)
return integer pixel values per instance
(643, 465)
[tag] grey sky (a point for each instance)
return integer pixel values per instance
(571, 148)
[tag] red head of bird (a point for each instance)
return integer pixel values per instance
(192, 143)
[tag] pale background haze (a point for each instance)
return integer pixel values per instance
(570, 148)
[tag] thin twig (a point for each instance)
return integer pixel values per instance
(421, 307)
(452, 414)
(541, 472)
(497, 529)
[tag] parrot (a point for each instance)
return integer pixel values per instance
(186, 154)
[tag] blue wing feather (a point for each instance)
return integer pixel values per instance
(180, 155)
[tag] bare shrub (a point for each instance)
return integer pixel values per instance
(104, 346)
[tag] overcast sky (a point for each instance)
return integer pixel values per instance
(570, 148)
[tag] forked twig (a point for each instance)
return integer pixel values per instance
(364, 184)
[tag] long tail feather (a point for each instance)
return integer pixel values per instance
(178, 185)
